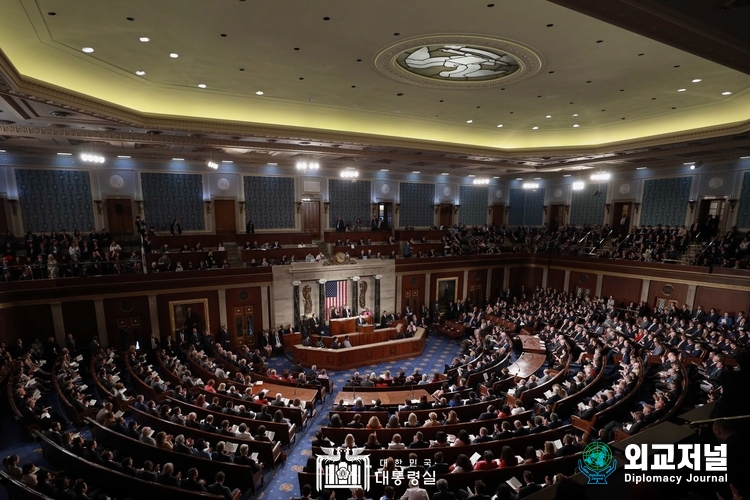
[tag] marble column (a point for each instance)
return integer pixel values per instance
(322, 300)
(376, 314)
(101, 323)
(58, 322)
(488, 288)
(153, 312)
(295, 298)
(566, 279)
(466, 285)
(645, 288)
(268, 320)
(223, 319)
(599, 281)
(355, 293)
(428, 291)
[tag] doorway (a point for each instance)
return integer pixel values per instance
(556, 216)
(621, 218)
(446, 214)
(385, 213)
(712, 208)
(120, 216)
(310, 211)
(498, 215)
(224, 219)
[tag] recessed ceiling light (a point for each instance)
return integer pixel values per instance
(537, 178)
(548, 116)
(496, 177)
(384, 170)
(2, 151)
(202, 85)
(641, 168)
(689, 163)
(472, 175)
(445, 173)
(534, 128)
(500, 126)
(273, 164)
(681, 90)
(415, 171)
(140, 72)
(87, 50)
(178, 159)
(469, 121)
(64, 154)
(174, 55)
(575, 125)
(726, 93)
(744, 157)
(566, 175)
(697, 80)
(519, 178)
(575, 114)
(124, 157)
(259, 92)
(144, 39)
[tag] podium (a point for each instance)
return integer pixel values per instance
(343, 325)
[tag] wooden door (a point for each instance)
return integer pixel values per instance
(498, 215)
(243, 328)
(556, 216)
(224, 219)
(120, 216)
(310, 211)
(385, 212)
(412, 298)
(621, 218)
(446, 214)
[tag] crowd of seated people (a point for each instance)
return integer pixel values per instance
(728, 251)
(652, 244)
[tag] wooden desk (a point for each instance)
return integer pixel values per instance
(340, 326)
(283, 238)
(186, 257)
(527, 364)
(532, 344)
(361, 338)
(355, 236)
(387, 398)
(361, 355)
(300, 254)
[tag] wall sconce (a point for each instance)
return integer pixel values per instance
(139, 206)
(691, 204)
(437, 209)
(489, 210)
(607, 206)
(299, 205)
(398, 207)
(14, 206)
(732, 205)
(455, 209)
(242, 207)
(98, 204)
(545, 209)
(208, 206)
(636, 206)
(326, 205)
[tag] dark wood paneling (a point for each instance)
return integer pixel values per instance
(585, 280)
(477, 286)
(252, 295)
(556, 279)
(655, 289)
(310, 211)
(79, 318)
(722, 299)
(162, 304)
(498, 277)
(26, 322)
(127, 313)
(624, 290)
(527, 277)
(412, 290)
(225, 219)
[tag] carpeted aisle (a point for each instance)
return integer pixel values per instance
(438, 352)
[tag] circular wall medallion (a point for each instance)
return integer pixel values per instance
(499, 193)
(583, 278)
(477, 275)
(624, 188)
(243, 295)
(458, 61)
(116, 181)
(385, 189)
(127, 306)
(413, 281)
(558, 193)
(715, 182)
(446, 191)
(667, 290)
(223, 183)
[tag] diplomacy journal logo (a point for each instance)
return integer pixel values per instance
(597, 463)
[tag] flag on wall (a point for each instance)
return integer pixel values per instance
(336, 294)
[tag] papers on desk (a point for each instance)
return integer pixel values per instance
(91, 402)
(84, 387)
(43, 362)
(549, 394)
(416, 401)
(119, 414)
(582, 406)
(234, 429)
(514, 483)
(475, 458)
(115, 378)
(254, 456)
(259, 382)
(286, 401)
(79, 358)
(628, 426)
(486, 377)
(558, 444)
(32, 382)
(36, 394)
(270, 434)
(231, 447)
(73, 364)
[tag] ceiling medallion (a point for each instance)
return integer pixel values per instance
(458, 61)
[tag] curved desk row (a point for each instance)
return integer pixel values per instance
(362, 355)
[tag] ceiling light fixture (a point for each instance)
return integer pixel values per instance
(575, 114)
(174, 55)
(472, 175)
(689, 163)
(480, 182)
(349, 173)
(273, 164)
(601, 176)
(259, 92)
(531, 185)
(64, 154)
(496, 177)
(305, 166)
(537, 178)
(87, 50)
(697, 80)
(534, 128)
(140, 72)
(577, 186)
(201, 85)
(178, 159)
(469, 121)
(227, 161)
(641, 168)
(566, 175)
(144, 39)
(92, 158)
(212, 164)
(726, 93)
(416, 172)
(500, 126)
(519, 178)
(575, 125)
(692, 167)
(384, 170)
(681, 90)
(445, 173)
(744, 157)
(548, 116)
(123, 157)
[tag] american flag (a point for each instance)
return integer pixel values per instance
(336, 294)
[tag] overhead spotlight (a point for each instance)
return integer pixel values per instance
(174, 55)
(349, 173)
(259, 92)
(92, 158)
(304, 166)
(577, 186)
(601, 176)
(531, 185)
(212, 164)
(201, 85)
(140, 72)
(480, 182)
(87, 50)
(227, 161)
(144, 39)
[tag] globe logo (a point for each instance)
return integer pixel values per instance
(597, 463)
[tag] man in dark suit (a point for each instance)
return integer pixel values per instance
(419, 441)
(439, 466)
(346, 312)
(192, 483)
(530, 487)
(340, 227)
(220, 454)
(569, 446)
(520, 430)
(503, 431)
(147, 472)
(167, 476)
(70, 344)
(218, 488)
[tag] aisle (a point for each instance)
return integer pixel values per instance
(438, 352)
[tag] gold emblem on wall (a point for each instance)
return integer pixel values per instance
(308, 299)
(362, 293)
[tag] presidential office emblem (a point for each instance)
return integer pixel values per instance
(345, 468)
(597, 463)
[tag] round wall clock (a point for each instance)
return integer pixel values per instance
(116, 181)
(223, 183)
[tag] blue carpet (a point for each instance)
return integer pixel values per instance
(438, 352)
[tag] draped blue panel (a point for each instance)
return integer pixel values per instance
(526, 207)
(417, 204)
(474, 203)
(665, 201)
(173, 196)
(743, 213)
(516, 202)
(585, 208)
(350, 200)
(270, 202)
(55, 199)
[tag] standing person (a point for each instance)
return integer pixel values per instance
(340, 227)
(175, 229)
(250, 227)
